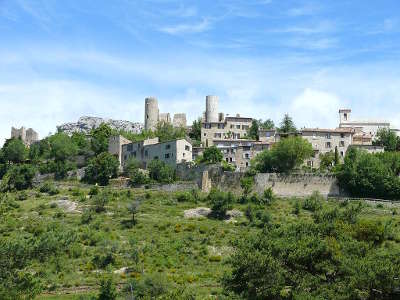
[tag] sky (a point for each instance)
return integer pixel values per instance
(60, 60)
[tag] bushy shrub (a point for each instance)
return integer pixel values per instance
(138, 177)
(160, 171)
(100, 201)
(101, 169)
(18, 177)
(227, 167)
(49, 188)
(268, 196)
(148, 287)
(313, 203)
(220, 202)
(184, 197)
(94, 190)
(107, 291)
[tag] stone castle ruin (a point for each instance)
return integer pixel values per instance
(152, 115)
(28, 136)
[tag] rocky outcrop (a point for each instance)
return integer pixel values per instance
(86, 124)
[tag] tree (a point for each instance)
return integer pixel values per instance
(212, 155)
(18, 177)
(14, 151)
(133, 209)
(166, 132)
(81, 142)
(286, 155)
(101, 169)
(62, 150)
(287, 125)
(160, 171)
(337, 160)
(267, 124)
(100, 138)
(369, 175)
(387, 138)
(108, 290)
(220, 202)
(253, 130)
(195, 133)
(327, 160)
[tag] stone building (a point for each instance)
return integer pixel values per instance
(370, 127)
(327, 140)
(115, 144)
(215, 126)
(28, 136)
(171, 152)
(152, 115)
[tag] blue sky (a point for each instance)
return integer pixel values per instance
(60, 60)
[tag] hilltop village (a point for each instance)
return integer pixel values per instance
(234, 136)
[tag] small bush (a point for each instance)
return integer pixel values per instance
(220, 202)
(94, 190)
(138, 177)
(313, 203)
(296, 208)
(49, 188)
(185, 197)
(22, 196)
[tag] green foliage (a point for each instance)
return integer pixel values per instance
(286, 155)
(268, 196)
(212, 155)
(287, 125)
(138, 177)
(302, 260)
(131, 166)
(220, 202)
(14, 151)
(100, 201)
(314, 202)
(100, 138)
(388, 139)
(107, 291)
(133, 209)
(81, 143)
(246, 183)
(327, 160)
(49, 188)
(370, 175)
(62, 147)
(267, 124)
(160, 171)
(18, 177)
(195, 132)
(166, 132)
(101, 169)
(253, 130)
(227, 167)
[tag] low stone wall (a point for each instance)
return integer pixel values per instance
(298, 185)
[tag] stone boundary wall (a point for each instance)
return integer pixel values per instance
(283, 185)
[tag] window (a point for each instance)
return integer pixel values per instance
(238, 135)
(227, 159)
(187, 148)
(155, 157)
(146, 153)
(207, 125)
(130, 147)
(230, 159)
(183, 154)
(221, 126)
(328, 135)
(342, 135)
(345, 116)
(134, 153)
(204, 134)
(247, 163)
(217, 135)
(268, 134)
(168, 146)
(166, 155)
(237, 126)
(328, 145)
(341, 153)
(246, 155)
(341, 144)
(245, 127)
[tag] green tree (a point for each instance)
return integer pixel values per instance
(327, 160)
(267, 124)
(253, 130)
(108, 291)
(387, 138)
(195, 133)
(287, 125)
(100, 138)
(18, 177)
(14, 151)
(220, 202)
(286, 155)
(62, 150)
(336, 160)
(101, 169)
(81, 142)
(160, 171)
(212, 155)
(166, 132)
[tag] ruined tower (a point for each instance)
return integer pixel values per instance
(211, 109)
(151, 113)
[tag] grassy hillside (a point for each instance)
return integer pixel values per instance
(78, 241)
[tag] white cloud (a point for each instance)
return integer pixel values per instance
(186, 28)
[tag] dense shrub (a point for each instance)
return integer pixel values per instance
(138, 177)
(160, 171)
(49, 187)
(107, 291)
(18, 177)
(101, 169)
(220, 202)
(313, 203)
